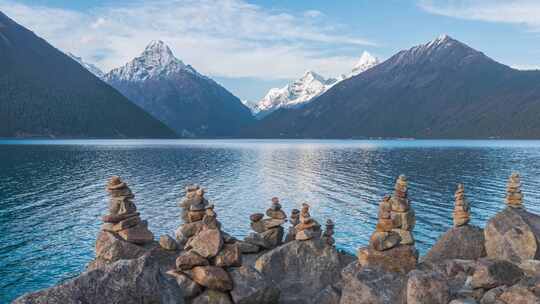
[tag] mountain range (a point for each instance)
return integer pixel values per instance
(188, 102)
(307, 87)
(44, 93)
(441, 89)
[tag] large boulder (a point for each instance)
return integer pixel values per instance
(229, 256)
(212, 277)
(372, 285)
(111, 248)
(513, 234)
(267, 239)
(402, 258)
(188, 286)
(519, 294)
(427, 288)
(207, 243)
(300, 269)
(126, 281)
(250, 287)
(492, 273)
(464, 242)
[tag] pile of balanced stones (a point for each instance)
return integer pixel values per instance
(514, 197)
(308, 228)
(328, 234)
(392, 240)
(461, 207)
(123, 218)
(268, 232)
(207, 251)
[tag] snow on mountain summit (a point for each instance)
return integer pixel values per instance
(366, 62)
(306, 88)
(157, 60)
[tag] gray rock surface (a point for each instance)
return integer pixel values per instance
(492, 273)
(126, 281)
(369, 285)
(464, 242)
(513, 234)
(427, 288)
(250, 287)
(300, 269)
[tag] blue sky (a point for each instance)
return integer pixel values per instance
(251, 46)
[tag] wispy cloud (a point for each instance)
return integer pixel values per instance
(218, 37)
(521, 12)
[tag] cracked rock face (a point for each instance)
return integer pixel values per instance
(126, 281)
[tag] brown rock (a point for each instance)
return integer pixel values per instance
(111, 248)
(276, 214)
(119, 217)
(138, 234)
(513, 235)
(187, 230)
(246, 247)
(404, 220)
(405, 235)
(207, 243)
(402, 258)
(519, 295)
(492, 273)
(258, 226)
(272, 223)
(268, 239)
(194, 216)
(464, 242)
(188, 260)
(308, 234)
(168, 243)
(427, 287)
(212, 277)
(384, 240)
(256, 217)
(229, 256)
(127, 223)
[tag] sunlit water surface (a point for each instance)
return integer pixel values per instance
(52, 192)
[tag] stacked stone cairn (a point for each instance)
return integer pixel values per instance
(514, 197)
(328, 234)
(294, 220)
(208, 251)
(268, 232)
(123, 219)
(308, 228)
(461, 208)
(392, 240)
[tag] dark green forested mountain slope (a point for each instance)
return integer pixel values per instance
(442, 89)
(45, 93)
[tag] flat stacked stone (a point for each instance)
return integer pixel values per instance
(294, 220)
(391, 246)
(268, 231)
(308, 228)
(461, 207)
(193, 204)
(328, 234)
(200, 268)
(123, 218)
(514, 197)
(402, 214)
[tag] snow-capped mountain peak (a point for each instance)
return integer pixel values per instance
(366, 62)
(90, 67)
(157, 60)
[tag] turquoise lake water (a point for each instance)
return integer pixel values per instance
(52, 191)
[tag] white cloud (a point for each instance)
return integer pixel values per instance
(229, 38)
(313, 13)
(521, 12)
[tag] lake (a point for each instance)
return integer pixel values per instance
(52, 192)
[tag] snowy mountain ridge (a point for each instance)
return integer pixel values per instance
(157, 60)
(306, 88)
(90, 67)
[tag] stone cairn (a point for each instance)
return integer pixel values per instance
(294, 220)
(393, 239)
(328, 234)
(514, 197)
(200, 267)
(308, 228)
(268, 232)
(461, 207)
(123, 218)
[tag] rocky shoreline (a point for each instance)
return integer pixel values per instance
(204, 264)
